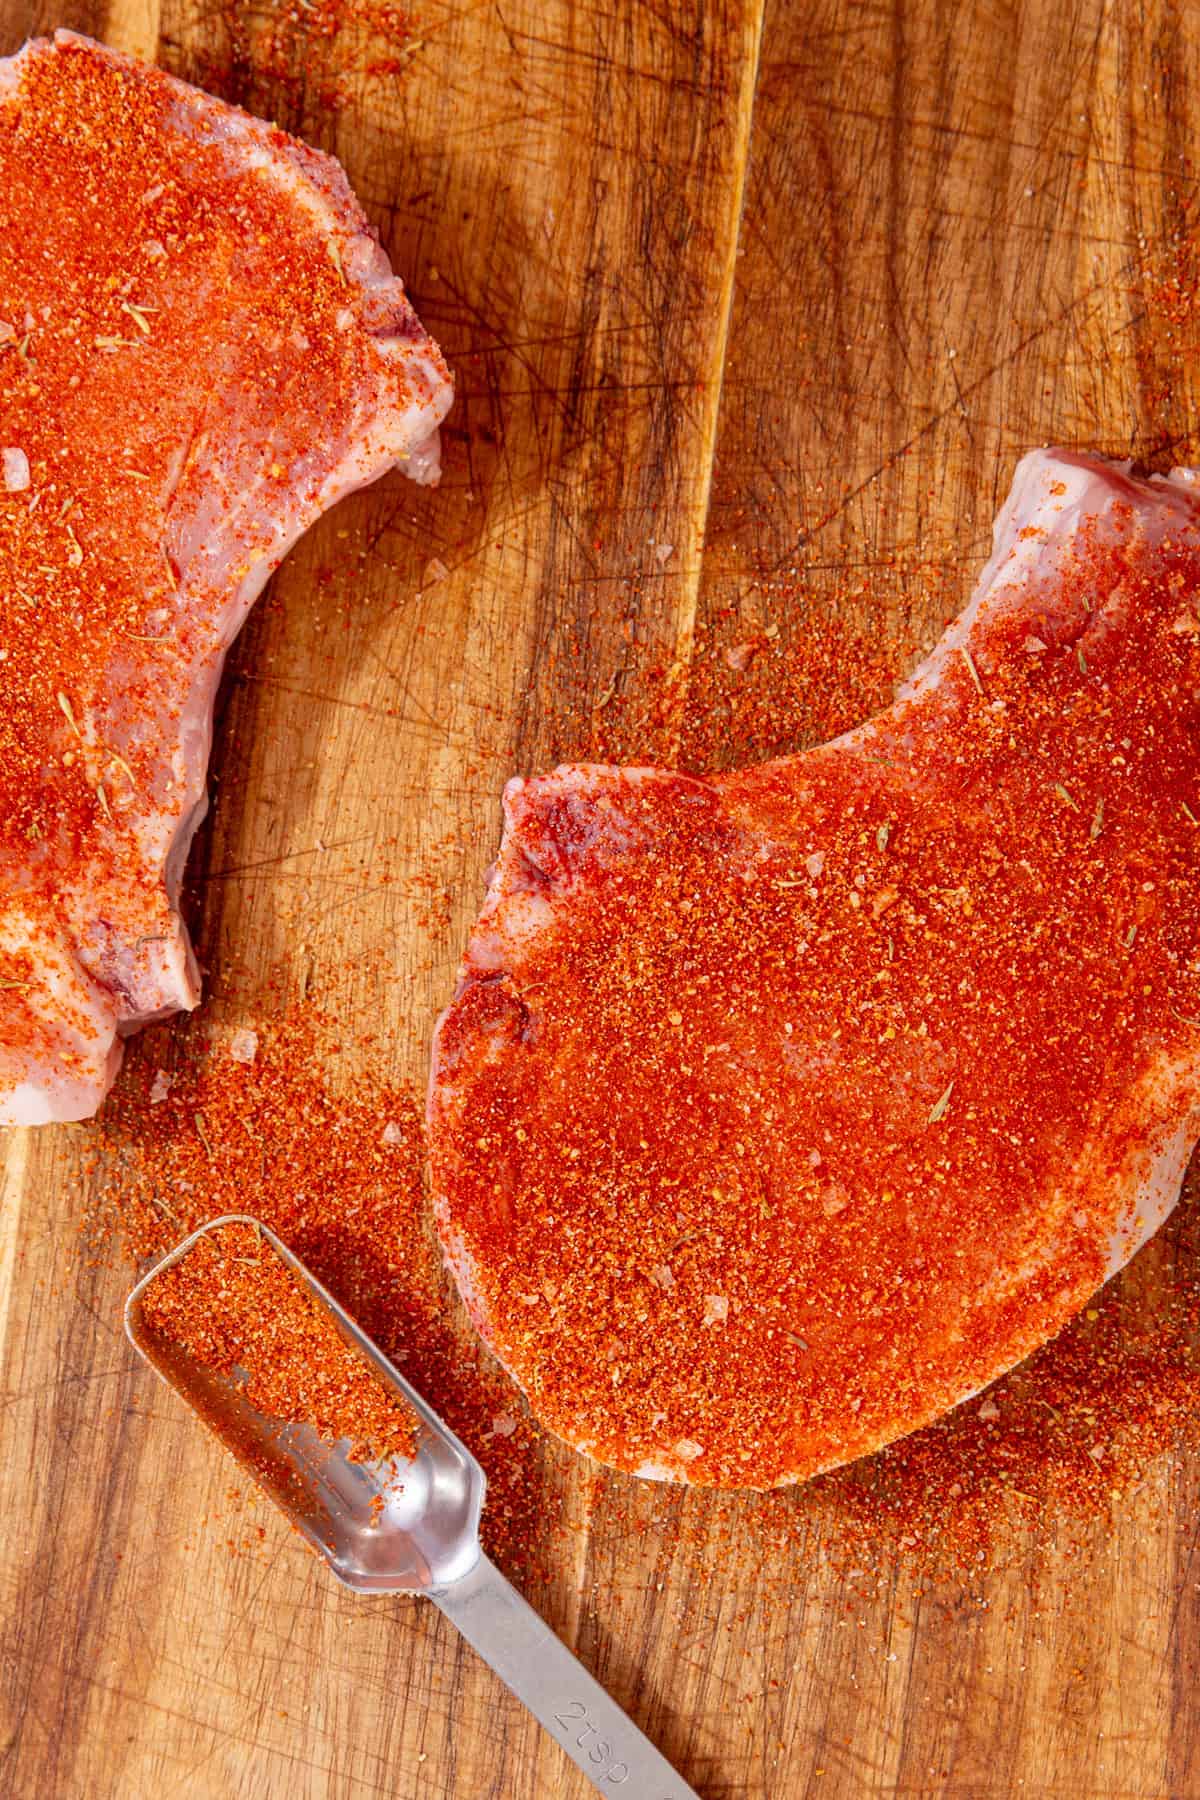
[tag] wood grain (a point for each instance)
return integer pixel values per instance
(787, 288)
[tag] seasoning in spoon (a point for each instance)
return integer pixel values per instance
(236, 1311)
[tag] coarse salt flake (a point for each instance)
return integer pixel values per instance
(16, 469)
(738, 656)
(244, 1047)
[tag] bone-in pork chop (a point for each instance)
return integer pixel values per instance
(776, 1113)
(202, 347)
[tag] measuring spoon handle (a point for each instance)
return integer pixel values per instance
(598, 1737)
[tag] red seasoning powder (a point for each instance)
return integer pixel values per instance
(271, 1121)
(232, 1307)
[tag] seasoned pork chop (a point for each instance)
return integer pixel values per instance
(776, 1113)
(202, 347)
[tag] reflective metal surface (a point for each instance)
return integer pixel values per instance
(410, 1526)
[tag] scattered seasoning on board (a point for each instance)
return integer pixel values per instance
(325, 51)
(332, 1162)
(1163, 278)
(234, 1309)
(787, 662)
(749, 694)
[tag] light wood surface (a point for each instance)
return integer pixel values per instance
(786, 287)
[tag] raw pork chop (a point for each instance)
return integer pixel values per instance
(778, 1112)
(202, 347)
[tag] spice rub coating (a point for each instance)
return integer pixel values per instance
(777, 1113)
(202, 347)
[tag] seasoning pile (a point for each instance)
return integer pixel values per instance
(234, 1309)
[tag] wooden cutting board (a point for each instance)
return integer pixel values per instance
(780, 286)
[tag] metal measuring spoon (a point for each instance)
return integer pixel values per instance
(411, 1527)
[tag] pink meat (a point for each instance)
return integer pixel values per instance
(202, 348)
(777, 1113)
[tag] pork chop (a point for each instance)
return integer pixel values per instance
(777, 1113)
(202, 347)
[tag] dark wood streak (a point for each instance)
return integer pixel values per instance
(78, 1450)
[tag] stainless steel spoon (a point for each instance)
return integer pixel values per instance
(412, 1527)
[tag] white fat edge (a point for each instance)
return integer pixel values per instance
(655, 1471)
(515, 913)
(320, 187)
(494, 948)
(12, 68)
(1015, 558)
(27, 1104)
(460, 1263)
(1155, 1197)
(431, 1091)
(164, 836)
(56, 1100)
(424, 461)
